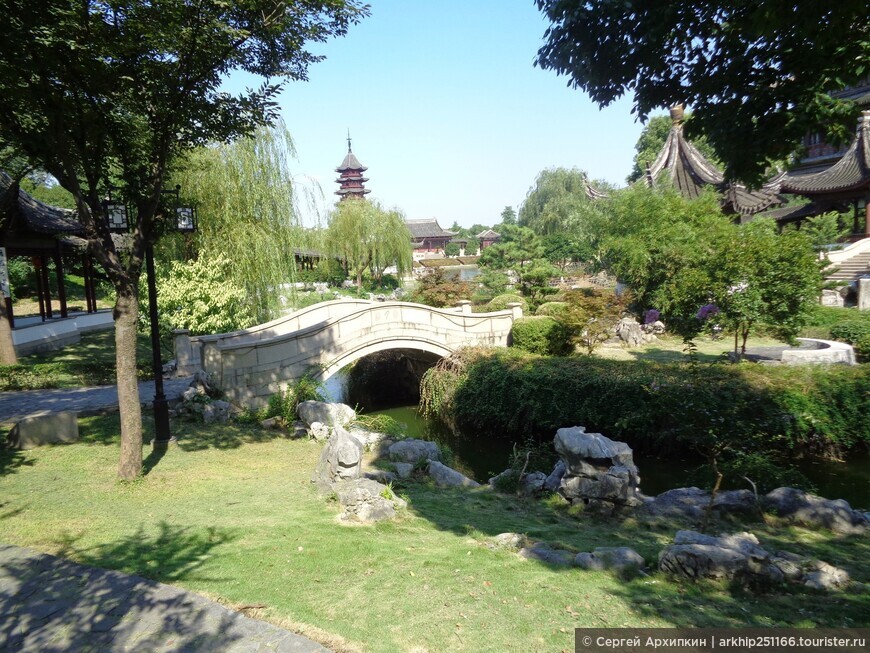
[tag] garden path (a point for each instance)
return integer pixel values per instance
(50, 604)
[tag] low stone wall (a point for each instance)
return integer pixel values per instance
(827, 351)
(58, 333)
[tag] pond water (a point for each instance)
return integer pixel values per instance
(481, 458)
(461, 272)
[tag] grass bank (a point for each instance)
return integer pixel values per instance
(230, 512)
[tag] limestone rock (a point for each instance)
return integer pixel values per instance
(734, 557)
(628, 331)
(445, 476)
(820, 575)
(814, 511)
(620, 558)
(272, 423)
(413, 451)
(204, 383)
(380, 475)
(44, 428)
(513, 541)
(545, 553)
(551, 484)
(318, 431)
(325, 413)
(533, 483)
(599, 472)
(692, 503)
(340, 460)
(403, 470)
(364, 500)
(216, 412)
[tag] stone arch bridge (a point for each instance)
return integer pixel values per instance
(255, 363)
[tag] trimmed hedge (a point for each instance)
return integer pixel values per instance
(857, 333)
(662, 408)
(553, 309)
(540, 335)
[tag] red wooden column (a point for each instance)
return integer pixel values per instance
(61, 286)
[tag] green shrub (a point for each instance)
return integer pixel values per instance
(27, 377)
(540, 335)
(500, 302)
(556, 309)
(862, 348)
(850, 331)
(283, 404)
(726, 411)
(382, 424)
(22, 277)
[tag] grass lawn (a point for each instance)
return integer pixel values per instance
(89, 362)
(75, 298)
(230, 512)
(669, 349)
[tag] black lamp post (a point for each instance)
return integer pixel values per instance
(117, 218)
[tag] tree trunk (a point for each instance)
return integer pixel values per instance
(126, 316)
(7, 348)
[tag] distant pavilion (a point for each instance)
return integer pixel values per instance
(427, 236)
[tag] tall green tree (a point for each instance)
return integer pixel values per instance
(246, 210)
(367, 237)
(508, 216)
(557, 203)
(758, 75)
(100, 94)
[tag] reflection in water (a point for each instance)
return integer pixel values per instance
(482, 457)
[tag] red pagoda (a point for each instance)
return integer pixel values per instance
(351, 181)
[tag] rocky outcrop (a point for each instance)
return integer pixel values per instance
(543, 552)
(599, 472)
(364, 500)
(340, 460)
(554, 480)
(445, 476)
(413, 451)
(325, 413)
(740, 557)
(318, 431)
(814, 511)
(628, 331)
(691, 503)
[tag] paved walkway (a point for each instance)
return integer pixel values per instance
(16, 405)
(50, 605)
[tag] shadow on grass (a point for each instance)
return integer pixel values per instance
(193, 436)
(482, 514)
(11, 460)
(58, 605)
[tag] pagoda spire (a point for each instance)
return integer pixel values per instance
(350, 180)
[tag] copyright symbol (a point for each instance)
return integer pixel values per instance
(587, 641)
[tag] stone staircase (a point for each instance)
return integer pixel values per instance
(850, 269)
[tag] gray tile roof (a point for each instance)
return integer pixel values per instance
(850, 173)
(426, 229)
(350, 163)
(29, 213)
(691, 172)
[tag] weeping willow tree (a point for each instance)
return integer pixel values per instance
(246, 210)
(367, 237)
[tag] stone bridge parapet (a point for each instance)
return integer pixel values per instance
(252, 364)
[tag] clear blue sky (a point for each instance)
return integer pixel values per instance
(447, 111)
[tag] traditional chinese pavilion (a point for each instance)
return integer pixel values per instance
(43, 234)
(351, 181)
(691, 172)
(845, 183)
(490, 237)
(427, 236)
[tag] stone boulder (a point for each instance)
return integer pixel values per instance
(403, 470)
(620, 558)
(340, 460)
(366, 501)
(413, 451)
(554, 480)
(814, 511)
(325, 413)
(513, 541)
(543, 552)
(733, 557)
(318, 431)
(44, 428)
(445, 476)
(533, 483)
(691, 503)
(628, 331)
(599, 472)
(216, 411)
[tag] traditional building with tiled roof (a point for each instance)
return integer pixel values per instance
(43, 234)
(427, 236)
(691, 173)
(351, 181)
(845, 183)
(489, 237)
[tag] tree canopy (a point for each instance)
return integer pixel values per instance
(102, 94)
(758, 75)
